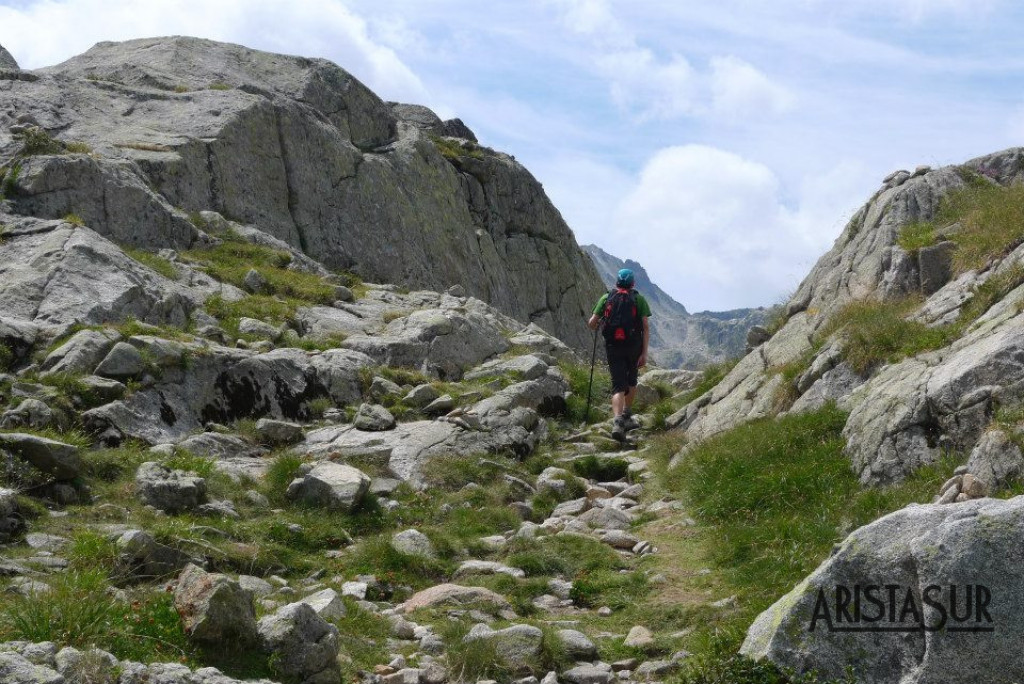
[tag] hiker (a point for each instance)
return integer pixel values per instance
(624, 312)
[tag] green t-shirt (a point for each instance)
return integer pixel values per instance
(642, 307)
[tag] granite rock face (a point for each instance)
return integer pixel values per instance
(903, 415)
(923, 552)
(182, 125)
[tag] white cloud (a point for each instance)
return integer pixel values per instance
(45, 32)
(649, 86)
(712, 229)
(738, 89)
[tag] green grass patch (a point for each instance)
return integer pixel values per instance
(79, 611)
(877, 332)
(231, 260)
(190, 463)
(453, 149)
(152, 261)
(991, 219)
(775, 495)
(710, 377)
(601, 394)
(600, 469)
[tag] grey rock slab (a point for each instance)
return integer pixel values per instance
(327, 604)
(973, 543)
(577, 645)
(122, 362)
(257, 328)
(278, 432)
(145, 558)
(517, 646)
(62, 275)
(526, 367)
(421, 395)
(996, 459)
(16, 669)
(55, 458)
(455, 595)
(588, 674)
(479, 567)
(82, 352)
(214, 609)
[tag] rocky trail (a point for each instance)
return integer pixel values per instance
(292, 391)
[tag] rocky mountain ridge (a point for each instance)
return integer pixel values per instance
(912, 325)
(169, 127)
(680, 339)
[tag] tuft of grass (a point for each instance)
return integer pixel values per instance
(79, 611)
(180, 88)
(217, 85)
(878, 332)
(112, 465)
(261, 307)
(282, 470)
(914, 236)
(454, 149)
(231, 260)
(710, 376)
(189, 462)
(6, 357)
(579, 380)
(78, 147)
(991, 219)
(73, 436)
(75, 220)
(153, 261)
(600, 469)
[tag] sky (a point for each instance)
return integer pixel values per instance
(722, 144)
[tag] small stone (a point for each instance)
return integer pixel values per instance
(123, 361)
(604, 611)
(373, 418)
(278, 432)
(257, 328)
(413, 543)
(343, 294)
(255, 283)
(638, 637)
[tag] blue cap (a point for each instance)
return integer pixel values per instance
(625, 277)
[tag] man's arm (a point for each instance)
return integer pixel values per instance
(647, 338)
(593, 322)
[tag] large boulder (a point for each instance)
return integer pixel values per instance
(171, 491)
(456, 595)
(330, 485)
(214, 608)
(143, 557)
(302, 645)
(47, 455)
(925, 594)
(7, 61)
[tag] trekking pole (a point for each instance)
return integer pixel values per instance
(590, 385)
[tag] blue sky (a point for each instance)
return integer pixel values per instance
(723, 144)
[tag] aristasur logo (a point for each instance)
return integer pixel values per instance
(898, 608)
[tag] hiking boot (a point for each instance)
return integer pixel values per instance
(619, 429)
(630, 422)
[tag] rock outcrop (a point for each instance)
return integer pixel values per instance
(904, 414)
(680, 339)
(298, 148)
(935, 600)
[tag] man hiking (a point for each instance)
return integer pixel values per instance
(624, 312)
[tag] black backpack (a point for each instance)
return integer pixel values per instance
(622, 323)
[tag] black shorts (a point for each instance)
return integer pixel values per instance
(622, 362)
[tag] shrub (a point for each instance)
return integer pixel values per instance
(453, 149)
(37, 141)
